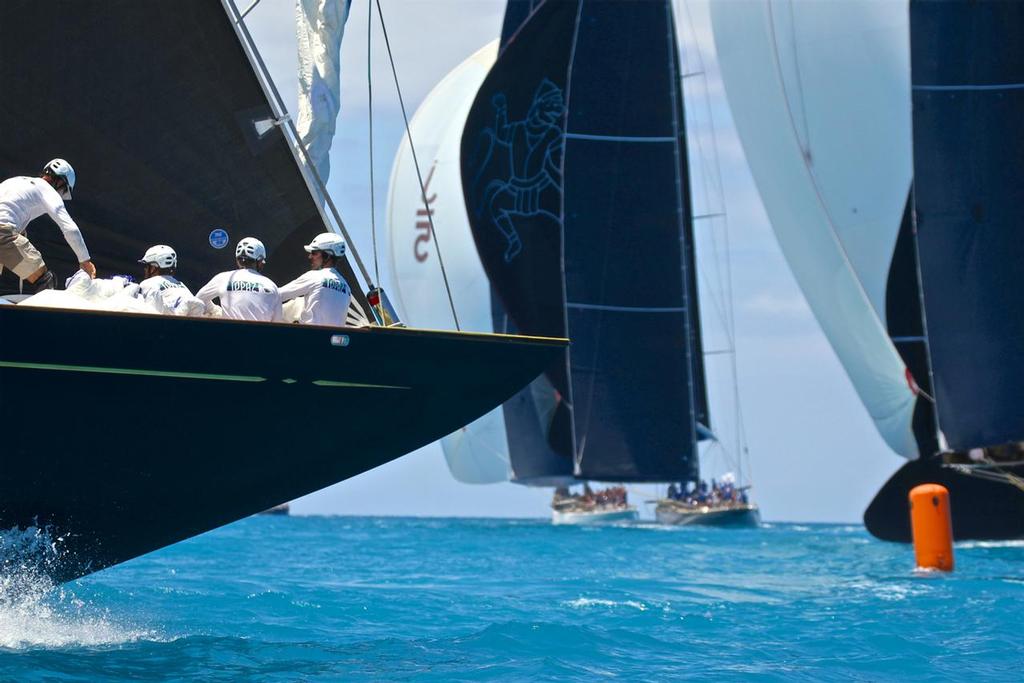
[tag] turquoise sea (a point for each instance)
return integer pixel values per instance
(345, 598)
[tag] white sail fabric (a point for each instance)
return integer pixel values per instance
(477, 453)
(820, 94)
(319, 27)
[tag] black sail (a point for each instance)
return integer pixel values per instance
(968, 106)
(906, 329)
(155, 108)
(583, 225)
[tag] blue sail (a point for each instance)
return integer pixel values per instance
(574, 172)
(968, 105)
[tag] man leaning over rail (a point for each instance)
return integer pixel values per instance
(22, 200)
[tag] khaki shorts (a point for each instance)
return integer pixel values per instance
(17, 253)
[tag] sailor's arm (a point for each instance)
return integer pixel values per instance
(73, 235)
(211, 290)
(278, 311)
(300, 286)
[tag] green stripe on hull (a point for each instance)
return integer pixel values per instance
(129, 371)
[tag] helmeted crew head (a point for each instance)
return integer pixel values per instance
(159, 259)
(250, 253)
(325, 249)
(61, 176)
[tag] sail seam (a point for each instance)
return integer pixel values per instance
(626, 309)
(619, 138)
(969, 87)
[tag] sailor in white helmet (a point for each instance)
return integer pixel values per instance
(326, 293)
(160, 289)
(22, 200)
(244, 294)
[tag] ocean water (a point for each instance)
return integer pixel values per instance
(343, 598)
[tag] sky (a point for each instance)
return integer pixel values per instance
(813, 450)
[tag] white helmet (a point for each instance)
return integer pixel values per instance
(160, 255)
(251, 248)
(62, 169)
(329, 242)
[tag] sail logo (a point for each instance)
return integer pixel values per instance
(219, 238)
(530, 182)
(424, 214)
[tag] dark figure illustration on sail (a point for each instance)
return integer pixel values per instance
(532, 151)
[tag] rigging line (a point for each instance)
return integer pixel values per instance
(703, 155)
(369, 104)
(741, 432)
(684, 209)
(416, 164)
(577, 443)
(248, 9)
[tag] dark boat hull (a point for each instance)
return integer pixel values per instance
(126, 433)
(734, 516)
(981, 509)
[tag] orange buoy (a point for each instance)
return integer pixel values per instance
(932, 527)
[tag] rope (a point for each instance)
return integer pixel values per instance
(416, 164)
(369, 90)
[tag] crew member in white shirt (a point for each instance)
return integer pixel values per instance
(160, 289)
(244, 294)
(22, 200)
(326, 293)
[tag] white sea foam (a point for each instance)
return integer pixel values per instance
(35, 612)
(1018, 543)
(584, 603)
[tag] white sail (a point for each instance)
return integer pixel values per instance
(319, 28)
(477, 453)
(820, 94)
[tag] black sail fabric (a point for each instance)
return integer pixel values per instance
(154, 105)
(583, 225)
(906, 329)
(509, 194)
(968, 106)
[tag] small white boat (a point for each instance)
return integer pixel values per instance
(596, 515)
(678, 513)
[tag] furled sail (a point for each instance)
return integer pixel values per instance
(319, 28)
(574, 172)
(218, 179)
(819, 93)
(968, 105)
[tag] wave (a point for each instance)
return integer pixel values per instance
(1016, 543)
(584, 603)
(37, 613)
